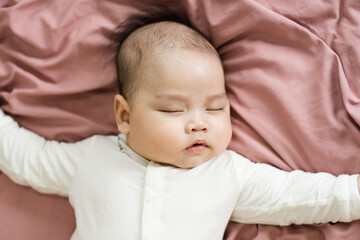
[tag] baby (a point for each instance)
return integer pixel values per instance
(168, 174)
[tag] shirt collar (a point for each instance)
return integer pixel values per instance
(122, 143)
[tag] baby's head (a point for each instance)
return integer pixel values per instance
(172, 104)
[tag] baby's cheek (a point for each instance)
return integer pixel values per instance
(170, 126)
(225, 134)
(168, 138)
(164, 149)
(164, 130)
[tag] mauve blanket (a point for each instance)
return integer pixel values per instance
(292, 72)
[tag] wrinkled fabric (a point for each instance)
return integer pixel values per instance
(292, 73)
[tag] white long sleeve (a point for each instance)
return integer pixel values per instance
(273, 196)
(28, 159)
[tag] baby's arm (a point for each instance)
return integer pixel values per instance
(271, 196)
(29, 159)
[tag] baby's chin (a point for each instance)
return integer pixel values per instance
(188, 159)
(190, 163)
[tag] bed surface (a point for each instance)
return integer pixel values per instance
(292, 73)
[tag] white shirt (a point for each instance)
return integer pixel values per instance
(120, 195)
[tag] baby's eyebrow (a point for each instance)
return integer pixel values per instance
(182, 98)
(170, 97)
(214, 97)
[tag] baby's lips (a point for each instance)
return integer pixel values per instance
(197, 146)
(199, 142)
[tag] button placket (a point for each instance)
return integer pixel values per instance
(153, 202)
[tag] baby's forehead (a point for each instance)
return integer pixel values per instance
(182, 71)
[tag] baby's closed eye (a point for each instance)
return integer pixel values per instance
(171, 110)
(215, 109)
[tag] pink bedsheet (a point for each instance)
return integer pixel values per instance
(292, 73)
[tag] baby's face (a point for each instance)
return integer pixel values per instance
(180, 113)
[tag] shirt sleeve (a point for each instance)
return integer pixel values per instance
(30, 160)
(272, 196)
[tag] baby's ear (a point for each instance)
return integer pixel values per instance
(122, 114)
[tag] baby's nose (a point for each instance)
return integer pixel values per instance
(197, 126)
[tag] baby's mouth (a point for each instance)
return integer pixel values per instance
(197, 147)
